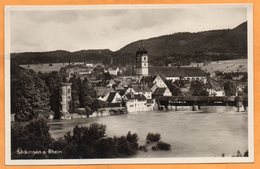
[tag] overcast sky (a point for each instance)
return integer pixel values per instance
(72, 30)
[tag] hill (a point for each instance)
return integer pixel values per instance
(196, 47)
(60, 56)
(179, 48)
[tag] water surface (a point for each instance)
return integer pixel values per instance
(206, 133)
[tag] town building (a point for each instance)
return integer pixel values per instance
(215, 89)
(159, 80)
(89, 65)
(138, 103)
(114, 97)
(163, 91)
(113, 71)
(139, 89)
(179, 73)
(103, 92)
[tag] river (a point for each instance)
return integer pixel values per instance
(206, 133)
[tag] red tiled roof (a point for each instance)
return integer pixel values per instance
(147, 79)
(111, 97)
(135, 96)
(138, 87)
(159, 91)
(102, 91)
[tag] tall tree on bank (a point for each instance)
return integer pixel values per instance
(75, 92)
(87, 94)
(175, 90)
(29, 96)
(230, 88)
(54, 81)
(197, 88)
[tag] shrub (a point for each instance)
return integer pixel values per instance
(83, 142)
(151, 137)
(239, 154)
(143, 148)
(33, 136)
(163, 146)
(127, 145)
(246, 153)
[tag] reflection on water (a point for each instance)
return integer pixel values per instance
(206, 133)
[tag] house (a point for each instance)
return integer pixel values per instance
(138, 88)
(158, 80)
(120, 89)
(215, 89)
(77, 63)
(152, 86)
(86, 71)
(113, 71)
(102, 92)
(89, 65)
(138, 103)
(114, 97)
(164, 91)
(110, 83)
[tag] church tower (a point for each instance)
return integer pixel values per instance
(142, 61)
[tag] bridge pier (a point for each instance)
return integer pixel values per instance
(193, 107)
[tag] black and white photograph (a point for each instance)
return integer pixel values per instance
(129, 84)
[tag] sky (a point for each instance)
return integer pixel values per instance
(77, 29)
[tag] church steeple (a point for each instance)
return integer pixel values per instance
(142, 60)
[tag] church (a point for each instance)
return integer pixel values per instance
(170, 73)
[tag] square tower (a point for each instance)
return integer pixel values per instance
(142, 61)
(65, 98)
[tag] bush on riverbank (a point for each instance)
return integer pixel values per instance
(153, 137)
(237, 154)
(162, 146)
(143, 148)
(34, 141)
(30, 140)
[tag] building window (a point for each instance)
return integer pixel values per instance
(144, 58)
(68, 90)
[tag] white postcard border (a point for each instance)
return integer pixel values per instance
(175, 160)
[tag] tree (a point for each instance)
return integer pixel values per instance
(34, 136)
(75, 92)
(82, 143)
(54, 81)
(29, 96)
(175, 90)
(87, 93)
(230, 88)
(197, 88)
(97, 104)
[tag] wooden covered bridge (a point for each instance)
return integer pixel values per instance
(199, 101)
